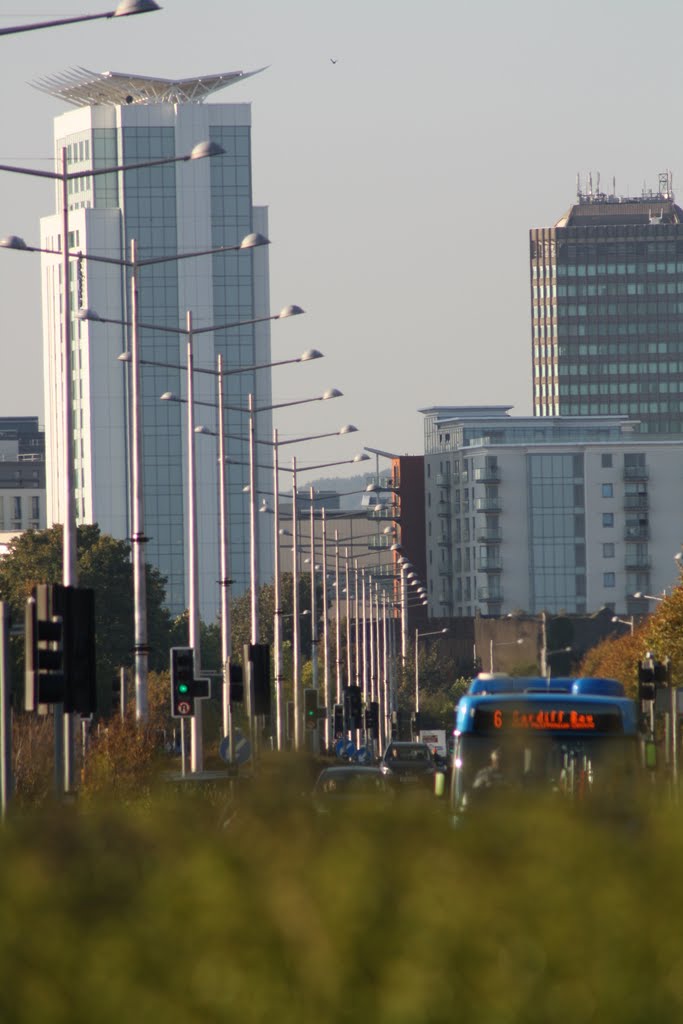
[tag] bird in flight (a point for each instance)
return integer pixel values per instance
(333, 60)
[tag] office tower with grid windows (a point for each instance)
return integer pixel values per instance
(168, 210)
(607, 310)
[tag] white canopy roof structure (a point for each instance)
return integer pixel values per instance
(83, 88)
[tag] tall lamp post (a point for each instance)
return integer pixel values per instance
(63, 724)
(421, 636)
(124, 9)
(132, 357)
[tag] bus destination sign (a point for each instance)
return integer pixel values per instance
(549, 719)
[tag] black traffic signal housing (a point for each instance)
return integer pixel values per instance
(182, 682)
(236, 683)
(650, 673)
(338, 720)
(415, 724)
(310, 708)
(59, 650)
(259, 656)
(353, 707)
(372, 719)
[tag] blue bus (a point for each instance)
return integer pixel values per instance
(577, 737)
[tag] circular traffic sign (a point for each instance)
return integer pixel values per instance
(340, 747)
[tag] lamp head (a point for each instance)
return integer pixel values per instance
(203, 149)
(253, 240)
(289, 311)
(331, 393)
(13, 242)
(310, 353)
(127, 7)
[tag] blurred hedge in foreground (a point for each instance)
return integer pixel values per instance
(113, 913)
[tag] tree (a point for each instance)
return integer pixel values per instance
(241, 614)
(104, 564)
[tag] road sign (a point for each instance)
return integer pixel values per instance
(340, 747)
(242, 748)
(363, 755)
(350, 748)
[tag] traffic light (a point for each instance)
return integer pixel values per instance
(44, 647)
(182, 682)
(236, 683)
(60, 648)
(338, 721)
(353, 707)
(310, 708)
(372, 719)
(259, 656)
(415, 723)
(651, 672)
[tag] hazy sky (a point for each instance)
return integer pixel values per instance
(401, 180)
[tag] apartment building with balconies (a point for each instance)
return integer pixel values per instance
(556, 514)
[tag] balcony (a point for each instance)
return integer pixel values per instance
(489, 536)
(445, 570)
(489, 595)
(634, 502)
(635, 562)
(381, 543)
(488, 505)
(490, 565)
(390, 512)
(636, 533)
(442, 480)
(487, 475)
(444, 541)
(636, 473)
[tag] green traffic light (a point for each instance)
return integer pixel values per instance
(183, 688)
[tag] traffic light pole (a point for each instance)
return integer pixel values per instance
(5, 714)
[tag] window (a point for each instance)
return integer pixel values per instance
(608, 550)
(607, 490)
(608, 518)
(608, 579)
(606, 461)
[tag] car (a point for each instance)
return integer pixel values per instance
(408, 763)
(341, 787)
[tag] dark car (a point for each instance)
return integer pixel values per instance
(408, 763)
(345, 786)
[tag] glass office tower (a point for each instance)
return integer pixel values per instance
(168, 210)
(607, 310)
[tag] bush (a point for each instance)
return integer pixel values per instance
(150, 911)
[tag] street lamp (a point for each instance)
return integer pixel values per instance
(124, 9)
(630, 622)
(505, 643)
(648, 597)
(421, 636)
(63, 725)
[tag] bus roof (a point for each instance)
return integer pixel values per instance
(583, 686)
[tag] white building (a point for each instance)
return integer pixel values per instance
(547, 514)
(170, 209)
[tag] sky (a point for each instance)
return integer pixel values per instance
(401, 180)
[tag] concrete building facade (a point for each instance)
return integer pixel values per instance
(563, 515)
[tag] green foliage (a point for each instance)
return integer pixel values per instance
(103, 564)
(240, 614)
(385, 915)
